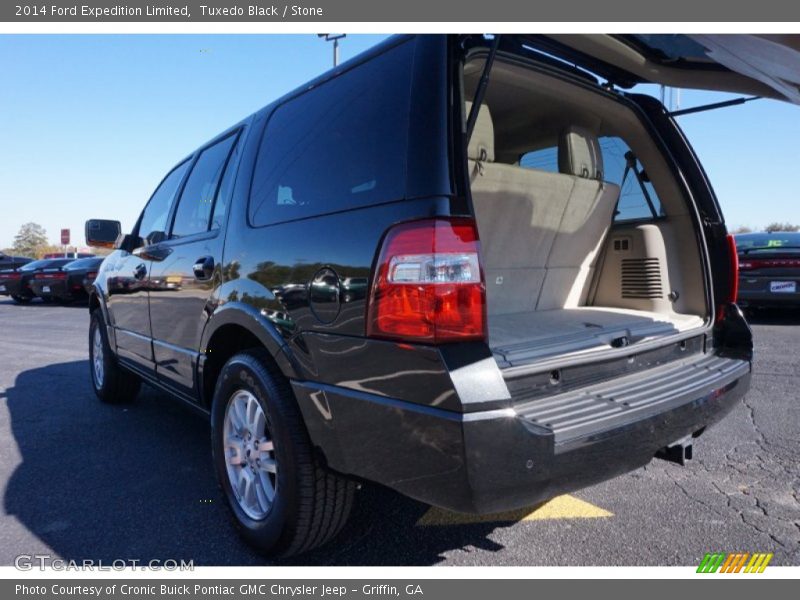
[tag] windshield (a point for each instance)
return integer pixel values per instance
(83, 263)
(768, 241)
(36, 264)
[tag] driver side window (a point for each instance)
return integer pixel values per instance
(155, 215)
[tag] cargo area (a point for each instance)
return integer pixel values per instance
(588, 241)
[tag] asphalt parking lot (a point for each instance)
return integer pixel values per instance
(82, 480)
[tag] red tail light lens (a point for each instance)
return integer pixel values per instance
(733, 255)
(12, 276)
(429, 284)
(733, 266)
(91, 276)
(50, 276)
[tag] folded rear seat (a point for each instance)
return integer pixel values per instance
(518, 212)
(584, 223)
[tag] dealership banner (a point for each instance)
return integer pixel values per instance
(376, 589)
(463, 11)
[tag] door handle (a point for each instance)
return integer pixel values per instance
(140, 271)
(204, 268)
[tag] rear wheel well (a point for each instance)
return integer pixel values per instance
(94, 303)
(227, 341)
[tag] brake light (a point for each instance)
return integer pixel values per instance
(733, 266)
(429, 285)
(768, 263)
(12, 276)
(91, 276)
(50, 276)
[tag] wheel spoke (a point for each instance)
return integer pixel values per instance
(265, 445)
(268, 465)
(238, 413)
(248, 487)
(252, 413)
(259, 422)
(235, 453)
(261, 495)
(267, 486)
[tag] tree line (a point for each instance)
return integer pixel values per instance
(31, 241)
(771, 228)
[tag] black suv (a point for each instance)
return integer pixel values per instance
(454, 266)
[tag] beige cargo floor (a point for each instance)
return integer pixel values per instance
(522, 337)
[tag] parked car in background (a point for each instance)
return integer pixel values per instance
(18, 283)
(71, 255)
(769, 269)
(67, 283)
(8, 262)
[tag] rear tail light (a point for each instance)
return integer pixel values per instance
(50, 276)
(91, 276)
(429, 285)
(751, 264)
(12, 276)
(733, 267)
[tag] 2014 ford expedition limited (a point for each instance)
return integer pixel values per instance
(477, 270)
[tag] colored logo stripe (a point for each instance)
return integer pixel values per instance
(733, 563)
(711, 562)
(758, 563)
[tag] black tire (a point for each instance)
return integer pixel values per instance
(21, 299)
(311, 504)
(116, 385)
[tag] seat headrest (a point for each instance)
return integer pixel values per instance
(481, 144)
(579, 153)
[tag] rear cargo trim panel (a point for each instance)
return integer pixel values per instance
(613, 404)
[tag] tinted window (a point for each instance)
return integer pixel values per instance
(545, 159)
(84, 263)
(154, 217)
(225, 189)
(197, 199)
(338, 146)
(633, 202)
(768, 241)
(32, 266)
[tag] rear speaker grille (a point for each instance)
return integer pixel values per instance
(641, 278)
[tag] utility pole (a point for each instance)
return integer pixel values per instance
(333, 37)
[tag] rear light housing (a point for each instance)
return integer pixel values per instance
(12, 276)
(58, 275)
(733, 268)
(751, 264)
(91, 276)
(429, 285)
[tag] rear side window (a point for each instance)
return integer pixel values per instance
(154, 217)
(200, 192)
(339, 146)
(225, 189)
(635, 203)
(545, 159)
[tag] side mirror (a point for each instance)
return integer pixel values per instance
(102, 233)
(127, 242)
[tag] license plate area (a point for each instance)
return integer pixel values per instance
(783, 287)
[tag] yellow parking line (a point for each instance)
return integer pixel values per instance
(562, 507)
